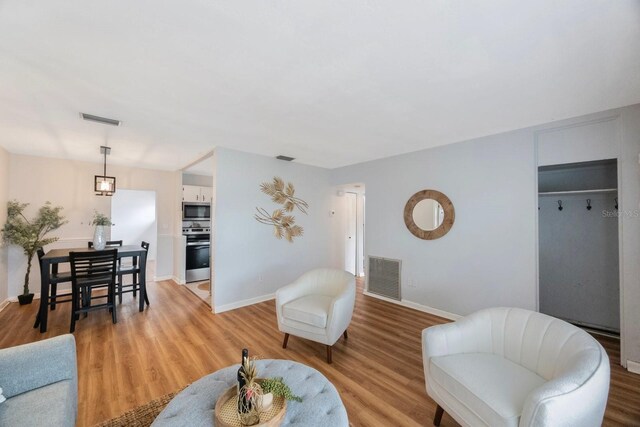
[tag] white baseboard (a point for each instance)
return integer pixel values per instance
(633, 366)
(3, 304)
(15, 299)
(243, 303)
(161, 278)
(178, 281)
(416, 306)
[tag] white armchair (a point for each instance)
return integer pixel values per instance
(515, 367)
(318, 306)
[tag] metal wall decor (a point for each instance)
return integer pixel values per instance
(284, 225)
(441, 225)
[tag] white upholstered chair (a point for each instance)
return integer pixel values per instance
(318, 306)
(515, 367)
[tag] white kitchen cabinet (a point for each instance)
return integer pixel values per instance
(206, 194)
(195, 193)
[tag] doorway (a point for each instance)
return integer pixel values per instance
(354, 236)
(579, 279)
(133, 213)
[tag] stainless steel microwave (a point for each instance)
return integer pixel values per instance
(196, 211)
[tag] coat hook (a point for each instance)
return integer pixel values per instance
(616, 206)
(588, 204)
(559, 205)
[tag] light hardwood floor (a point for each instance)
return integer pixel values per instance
(177, 340)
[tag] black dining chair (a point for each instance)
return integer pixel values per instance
(109, 244)
(54, 278)
(134, 271)
(92, 271)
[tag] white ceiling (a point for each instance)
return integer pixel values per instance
(329, 82)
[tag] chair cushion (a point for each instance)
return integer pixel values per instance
(490, 386)
(311, 310)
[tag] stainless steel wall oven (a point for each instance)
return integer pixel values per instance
(197, 254)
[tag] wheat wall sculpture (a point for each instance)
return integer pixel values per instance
(284, 225)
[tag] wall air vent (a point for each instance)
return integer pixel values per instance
(384, 277)
(98, 119)
(285, 158)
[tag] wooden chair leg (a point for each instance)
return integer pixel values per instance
(113, 304)
(135, 288)
(438, 417)
(286, 340)
(329, 361)
(54, 294)
(346, 337)
(74, 308)
(120, 289)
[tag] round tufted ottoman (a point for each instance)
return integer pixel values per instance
(320, 406)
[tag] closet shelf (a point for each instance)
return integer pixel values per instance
(599, 190)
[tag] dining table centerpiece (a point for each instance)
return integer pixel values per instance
(30, 234)
(101, 221)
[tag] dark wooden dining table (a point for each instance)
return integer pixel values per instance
(57, 256)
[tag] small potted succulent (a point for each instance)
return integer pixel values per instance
(275, 387)
(30, 234)
(100, 221)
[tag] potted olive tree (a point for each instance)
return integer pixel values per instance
(30, 234)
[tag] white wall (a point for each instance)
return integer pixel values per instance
(489, 256)
(489, 253)
(4, 198)
(68, 183)
(249, 262)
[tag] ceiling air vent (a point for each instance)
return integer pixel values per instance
(98, 119)
(285, 158)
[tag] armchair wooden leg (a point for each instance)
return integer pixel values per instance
(438, 417)
(346, 337)
(286, 340)
(329, 361)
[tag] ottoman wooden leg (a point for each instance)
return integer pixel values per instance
(329, 354)
(346, 337)
(438, 417)
(286, 340)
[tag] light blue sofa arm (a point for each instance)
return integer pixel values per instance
(40, 382)
(32, 366)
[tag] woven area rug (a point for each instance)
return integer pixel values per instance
(142, 416)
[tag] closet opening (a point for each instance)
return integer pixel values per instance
(579, 268)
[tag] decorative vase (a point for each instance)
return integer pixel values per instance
(99, 241)
(266, 401)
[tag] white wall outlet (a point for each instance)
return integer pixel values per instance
(412, 283)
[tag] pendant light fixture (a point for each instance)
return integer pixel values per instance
(105, 185)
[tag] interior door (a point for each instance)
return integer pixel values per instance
(351, 238)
